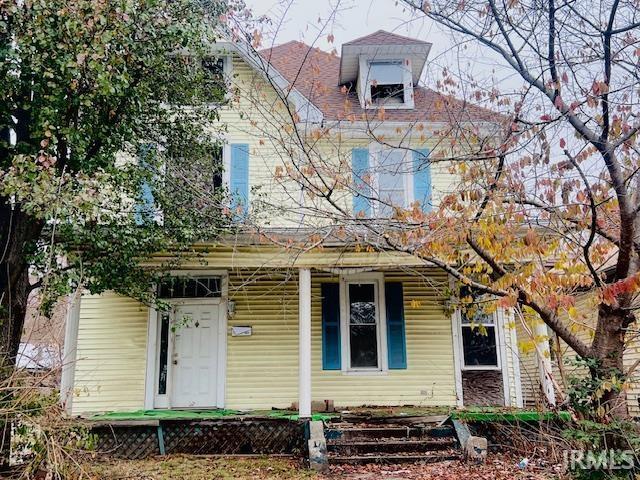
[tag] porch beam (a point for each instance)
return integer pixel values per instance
(304, 338)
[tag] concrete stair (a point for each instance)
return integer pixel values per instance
(390, 443)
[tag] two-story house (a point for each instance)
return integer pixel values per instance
(256, 325)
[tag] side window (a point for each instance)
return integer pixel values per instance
(478, 333)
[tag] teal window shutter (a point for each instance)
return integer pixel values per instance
(361, 189)
(145, 208)
(331, 349)
(239, 177)
(422, 178)
(396, 342)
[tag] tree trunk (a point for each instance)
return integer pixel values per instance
(608, 348)
(18, 234)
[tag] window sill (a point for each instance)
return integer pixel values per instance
(481, 368)
(365, 373)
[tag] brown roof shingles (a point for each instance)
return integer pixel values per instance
(314, 73)
(385, 38)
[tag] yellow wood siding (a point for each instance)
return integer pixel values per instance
(529, 371)
(429, 377)
(111, 354)
(262, 370)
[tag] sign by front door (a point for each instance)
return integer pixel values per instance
(195, 353)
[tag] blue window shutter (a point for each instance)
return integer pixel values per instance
(331, 349)
(239, 176)
(422, 179)
(396, 342)
(145, 209)
(360, 168)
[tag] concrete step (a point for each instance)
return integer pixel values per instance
(355, 447)
(393, 458)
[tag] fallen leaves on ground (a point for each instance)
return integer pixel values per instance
(497, 467)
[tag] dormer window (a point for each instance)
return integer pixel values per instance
(385, 83)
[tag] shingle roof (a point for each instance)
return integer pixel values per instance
(385, 38)
(314, 73)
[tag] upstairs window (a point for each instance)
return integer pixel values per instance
(386, 83)
(394, 181)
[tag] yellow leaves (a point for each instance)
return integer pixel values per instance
(416, 303)
(573, 312)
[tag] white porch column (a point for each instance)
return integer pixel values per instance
(544, 361)
(304, 336)
(67, 377)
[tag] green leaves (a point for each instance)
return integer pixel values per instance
(85, 83)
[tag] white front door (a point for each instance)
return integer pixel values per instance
(195, 354)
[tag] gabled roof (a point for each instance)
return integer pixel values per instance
(315, 74)
(382, 37)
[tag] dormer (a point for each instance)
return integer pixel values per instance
(383, 67)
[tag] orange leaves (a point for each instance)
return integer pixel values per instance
(629, 285)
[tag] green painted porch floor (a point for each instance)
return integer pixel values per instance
(486, 414)
(202, 415)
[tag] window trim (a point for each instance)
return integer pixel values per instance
(364, 90)
(381, 324)
(496, 329)
(375, 151)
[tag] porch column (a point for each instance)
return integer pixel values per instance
(67, 377)
(544, 361)
(304, 336)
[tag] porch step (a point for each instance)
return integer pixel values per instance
(348, 447)
(351, 443)
(393, 458)
(335, 432)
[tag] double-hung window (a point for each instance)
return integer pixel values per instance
(393, 180)
(478, 334)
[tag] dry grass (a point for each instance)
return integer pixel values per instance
(184, 467)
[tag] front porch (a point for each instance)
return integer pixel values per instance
(288, 338)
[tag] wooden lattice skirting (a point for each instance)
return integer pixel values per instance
(228, 437)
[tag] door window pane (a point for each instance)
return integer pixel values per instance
(363, 334)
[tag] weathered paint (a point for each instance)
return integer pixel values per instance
(262, 369)
(111, 354)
